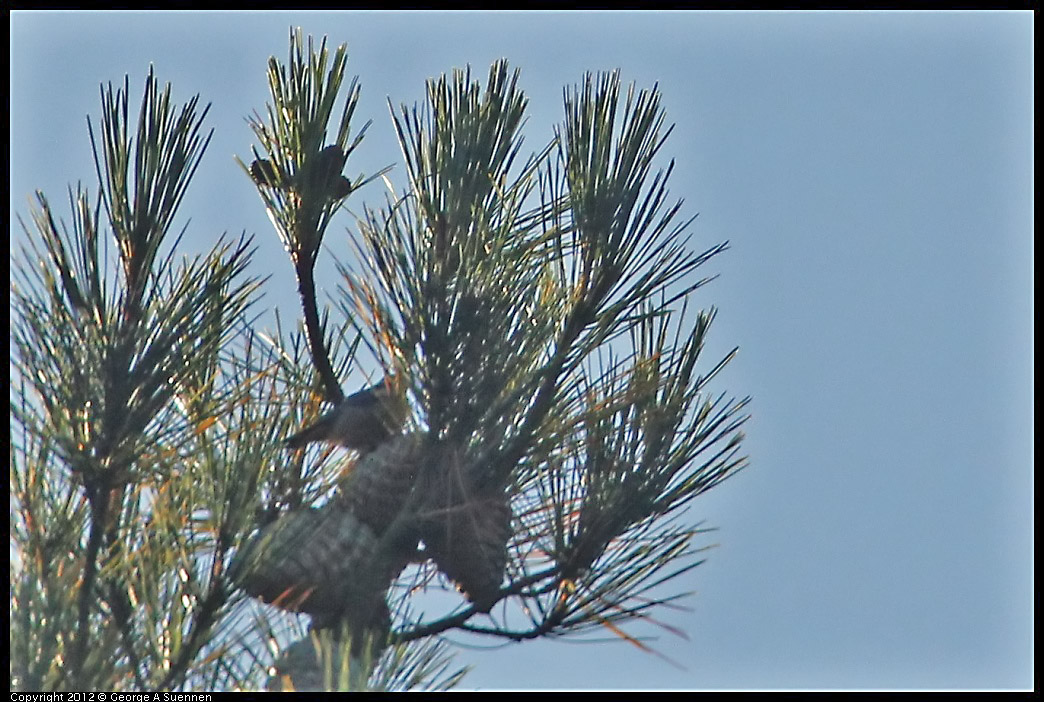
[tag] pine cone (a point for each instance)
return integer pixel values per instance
(297, 669)
(323, 172)
(317, 561)
(341, 188)
(301, 667)
(467, 535)
(264, 172)
(377, 487)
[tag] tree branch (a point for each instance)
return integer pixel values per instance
(454, 621)
(99, 500)
(304, 266)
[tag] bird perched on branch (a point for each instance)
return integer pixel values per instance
(362, 421)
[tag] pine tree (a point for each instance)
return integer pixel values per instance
(533, 313)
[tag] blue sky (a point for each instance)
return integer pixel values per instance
(874, 175)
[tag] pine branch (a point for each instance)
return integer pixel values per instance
(106, 355)
(300, 180)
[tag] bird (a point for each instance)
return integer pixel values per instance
(362, 421)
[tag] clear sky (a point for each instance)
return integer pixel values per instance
(874, 174)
